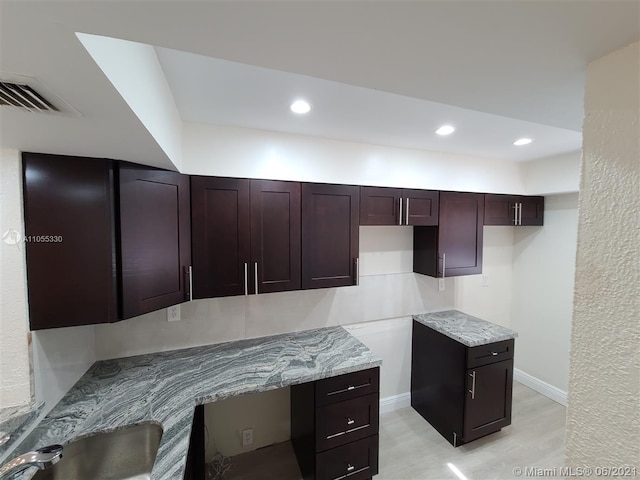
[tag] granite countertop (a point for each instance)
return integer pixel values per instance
(14, 421)
(165, 387)
(466, 329)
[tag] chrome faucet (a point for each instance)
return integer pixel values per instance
(42, 458)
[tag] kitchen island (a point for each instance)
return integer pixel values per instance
(461, 374)
(165, 387)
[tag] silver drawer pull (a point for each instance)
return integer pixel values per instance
(350, 468)
(348, 389)
(351, 430)
(494, 353)
(350, 421)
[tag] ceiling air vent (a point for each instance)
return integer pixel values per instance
(23, 96)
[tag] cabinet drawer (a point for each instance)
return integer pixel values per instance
(353, 461)
(490, 353)
(350, 385)
(345, 422)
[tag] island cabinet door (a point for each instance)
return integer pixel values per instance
(488, 399)
(329, 235)
(155, 238)
(220, 236)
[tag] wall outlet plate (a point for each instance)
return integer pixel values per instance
(173, 313)
(441, 284)
(247, 437)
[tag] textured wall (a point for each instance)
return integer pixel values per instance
(15, 385)
(603, 419)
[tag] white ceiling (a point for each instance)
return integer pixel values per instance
(520, 62)
(208, 90)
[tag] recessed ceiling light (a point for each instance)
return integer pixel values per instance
(522, 141)
(300, 106)
(445, 130)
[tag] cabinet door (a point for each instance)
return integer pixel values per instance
(531, 211)
(70, 245)
(329, 235)
(220, 236)
(155, 239)
(488, 399)
(420, 207)
(275, 236)
(499, 209)
(513, 210)
(380, 206)
(460, 233)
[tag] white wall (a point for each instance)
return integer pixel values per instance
(135, 71)
(542, 298)
(241, 152)
(552, 175)
(488, 296)
(15, 384)
(388, 289)
(603, 419)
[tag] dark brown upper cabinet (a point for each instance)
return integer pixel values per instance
(245, 236)
(70, 240)
(105, 240)
(454, 247)
(513, 210)
(155, 239)
(397, 206)
(329, 235)
(275, 236)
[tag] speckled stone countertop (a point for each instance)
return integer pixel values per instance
(14, 421)
(466, 329)
(165, 387)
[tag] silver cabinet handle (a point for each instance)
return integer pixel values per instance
(515, 213)
(400, 213)
(350, 468)
(188, 273)
(520, 214)
(350, 421)
(473, 385)
(406, 213)
(190, 282)
(494, 353)
(255, 267)
(246, 279)
(444, 264)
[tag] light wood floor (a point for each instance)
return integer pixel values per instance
(410, 449)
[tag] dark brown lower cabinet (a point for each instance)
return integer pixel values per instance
(334, 426)
(463, 392)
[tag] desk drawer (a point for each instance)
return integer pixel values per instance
(353, 461)
(345, 422)
(489, 353)
(351, 385)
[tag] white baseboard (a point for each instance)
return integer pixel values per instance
(395, 402)
(539, 386)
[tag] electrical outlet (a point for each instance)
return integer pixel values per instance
(173, 313)
(485, 280)
(441, 284)
(247, 437)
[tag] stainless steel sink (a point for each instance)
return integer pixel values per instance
(126, 454)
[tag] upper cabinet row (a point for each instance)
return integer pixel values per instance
(261, 236)
(109, 240)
